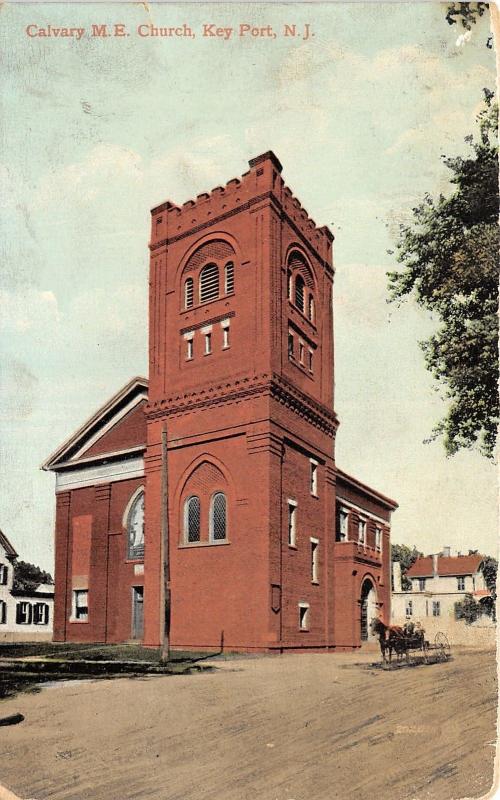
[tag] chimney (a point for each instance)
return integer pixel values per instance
(435, 565)
(446, 552)
(396, 576)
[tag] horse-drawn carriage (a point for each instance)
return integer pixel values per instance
(407, 639)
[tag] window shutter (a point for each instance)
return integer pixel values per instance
(229, 277)
(188, 293)
(209, 283)
(299, 293)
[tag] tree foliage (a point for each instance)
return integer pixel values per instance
(28, 577)
(449, 258)
(467, 14)
(489, 568)
(406, 557)
(467, 609)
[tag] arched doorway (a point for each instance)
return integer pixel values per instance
(369, 609)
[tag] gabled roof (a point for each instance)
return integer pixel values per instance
(4, 542)
(115, 409)
(446, 565)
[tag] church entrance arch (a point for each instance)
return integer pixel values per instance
(369, 609)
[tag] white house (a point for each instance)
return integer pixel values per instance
(437, 583)
(24, 616)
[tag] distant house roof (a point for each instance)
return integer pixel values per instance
(446, 565)
(4, 542)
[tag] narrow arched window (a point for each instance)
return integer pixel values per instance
(310, 308)
(209, 283)
(289, 285)
(188, 293)
(192, 519)
(229, 278)
(218, 521)
(135, 528)
(299, 292)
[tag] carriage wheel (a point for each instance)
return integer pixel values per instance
(442, 646)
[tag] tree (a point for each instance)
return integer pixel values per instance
(489, 568)
(467, 609)
(406, 557)
(449, 254)
(468, 14)
(28, 577)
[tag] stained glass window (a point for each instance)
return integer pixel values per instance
(192, 519)
(135, 527)
(218, 517)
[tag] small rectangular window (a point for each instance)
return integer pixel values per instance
(41, 614)
(409, 608)
(314, 560)
(229, 278)
(4, 574)
(225, 337)
(24, 613)
(421, 584)
(291, 352)
(461, 584)
(378, 539)
(190, 349)
(301, 352)
(3, 612)
(436, 608)
(292, 523)
(343, 534)
(208, 343)
(314, 478)
(361, 532)
(310, 365)
(80, 604)
(303, 616)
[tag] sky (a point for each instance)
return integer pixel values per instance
(95, 132)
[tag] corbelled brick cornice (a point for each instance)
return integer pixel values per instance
(265, 384)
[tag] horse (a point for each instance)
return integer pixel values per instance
(390, 637)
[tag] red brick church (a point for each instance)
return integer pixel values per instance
(271, 546)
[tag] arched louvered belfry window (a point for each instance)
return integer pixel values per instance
(135, 528)
(229, 278)
(218, 517)
(299, 292)
(310, 308)
(188, 293)
(192, 519)
(209, 283)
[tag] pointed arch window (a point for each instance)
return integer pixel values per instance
(135, 528)
(192, 519)
(188, 293)
(299, 292)
(218, 517)
(229, 278)
(209, 283)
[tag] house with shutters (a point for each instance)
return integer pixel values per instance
(228, 446)
(439, 581)
(24, 616)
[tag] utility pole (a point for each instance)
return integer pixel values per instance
(165, 650)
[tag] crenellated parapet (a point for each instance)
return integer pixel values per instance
(262, 182)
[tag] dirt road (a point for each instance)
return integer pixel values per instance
(296, 727)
